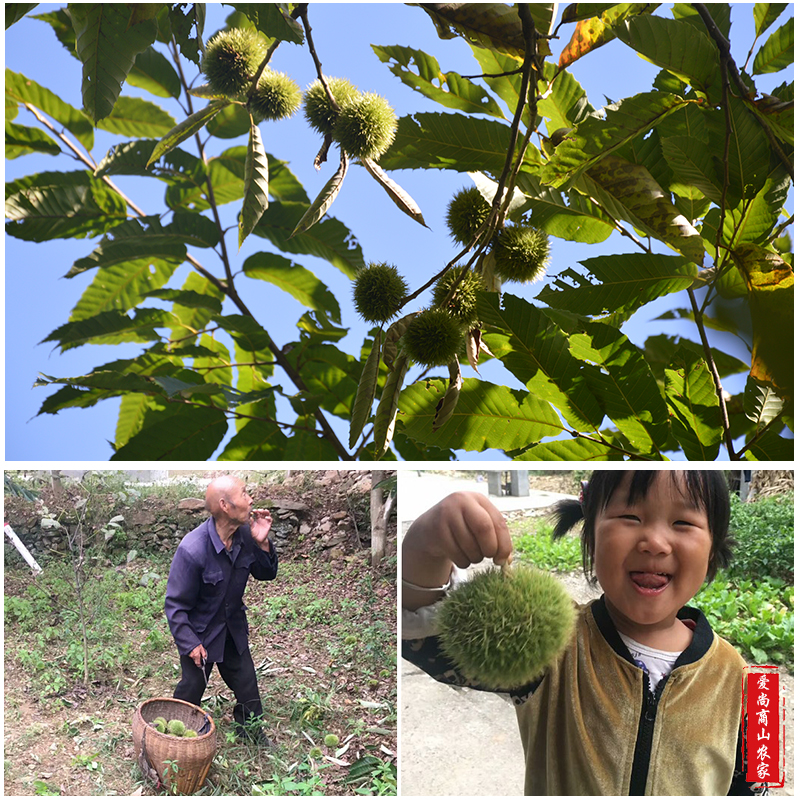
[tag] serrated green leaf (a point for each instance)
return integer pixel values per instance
(490, 25)
(674, 45)
(578, 449)
(132, 116)
(329, 239)
(565, 103)
(299, 282)
(24, 90)
(331, 376)
(231, 123)
(451, 141)
(152, 72)
(257, 440)
(133, 409)
(752, 221)
(245, 331)
(16, 11)
(226, 174)
(692, 165)
(578, 221)
(311, 446)
(694, 406)
(132, 240)
(749, 153)
(181, 25)
(764, 14)
(187, 298)
(107, 45)
(386, 414)
(272, 19)
(770, 447)
(190, 434)
(625, 387)
(256, 185)
(422, 73)
(635, 188)
(122, 286)
(761, 403)
(108, 380)
(111, 327)
(626, 279)
(183, 130)
(770, 285)
(487, 416)
(539, 357)
(508, 81)
(21, 140)
(777, 52)
(575, 12)
(319, 208)
(596, 138)
(362, 407)
(61, 205)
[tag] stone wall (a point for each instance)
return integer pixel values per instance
(148, 526)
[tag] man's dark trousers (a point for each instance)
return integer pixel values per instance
(237, 670)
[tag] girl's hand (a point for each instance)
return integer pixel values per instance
(462, 529)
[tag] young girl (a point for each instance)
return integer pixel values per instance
(646, 699)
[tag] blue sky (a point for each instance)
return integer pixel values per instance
(39, 299)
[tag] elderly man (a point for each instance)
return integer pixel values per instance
(204, 599)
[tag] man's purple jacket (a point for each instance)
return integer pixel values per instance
(205, 588)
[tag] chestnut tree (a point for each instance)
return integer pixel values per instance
(694, 172)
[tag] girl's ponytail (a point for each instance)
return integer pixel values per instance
(566, 515)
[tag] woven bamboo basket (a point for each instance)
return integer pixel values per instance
(192, 757)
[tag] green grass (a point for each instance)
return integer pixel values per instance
(322, 637)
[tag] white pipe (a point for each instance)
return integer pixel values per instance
(23, 551)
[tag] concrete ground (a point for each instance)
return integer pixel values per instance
(456, 742)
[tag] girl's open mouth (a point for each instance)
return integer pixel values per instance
(650, 583)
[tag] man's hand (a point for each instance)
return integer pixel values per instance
(198, 654)
(260, 528)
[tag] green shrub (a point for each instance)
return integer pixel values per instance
(764, 534)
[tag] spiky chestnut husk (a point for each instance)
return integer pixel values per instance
(176, 727)
(466, 212)
(320, 115)
(433, 338)
(378, 291)
(231, 60)
(276, 96)
(521, 253)
(190, 733)
(504, 629)
(463, 305)
(331, 740)
(366, 126)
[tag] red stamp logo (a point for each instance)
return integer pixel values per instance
(763, 726)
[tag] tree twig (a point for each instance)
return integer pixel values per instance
(725, 50)
(709, 356)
